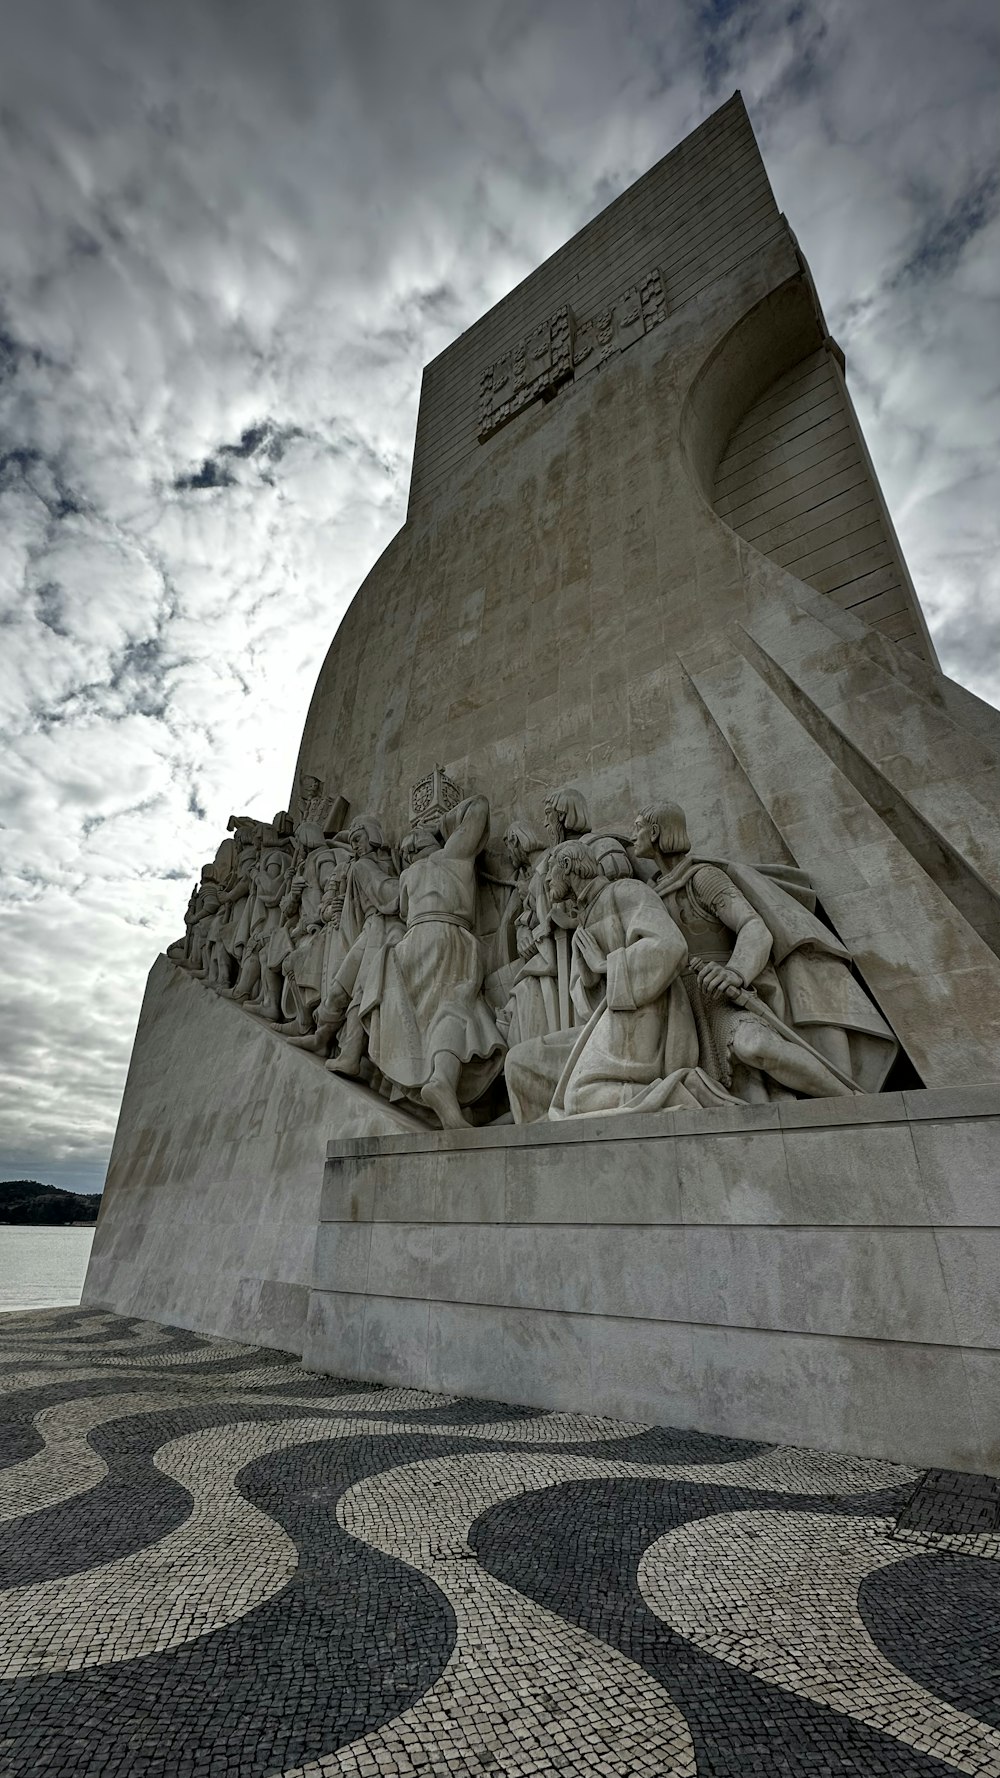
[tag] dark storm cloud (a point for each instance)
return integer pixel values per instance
(265, 444)
(231, 233)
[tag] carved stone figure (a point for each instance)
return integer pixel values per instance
(546, 950)
(319, 809)
(770, 986)
(270, 878)
(180, 951)
(367, 919)
(224, 944)
(318, 862)
(698, 980)
(531, 1008)
(430, 1030)
(567, 818)
(637, 1046)
(204, 910)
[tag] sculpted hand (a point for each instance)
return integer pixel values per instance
(719, 980)
(525, 943)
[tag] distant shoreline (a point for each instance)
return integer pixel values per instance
(27, 1203)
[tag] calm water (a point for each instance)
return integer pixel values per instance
(42, 1268)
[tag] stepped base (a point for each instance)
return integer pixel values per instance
(826, 1273)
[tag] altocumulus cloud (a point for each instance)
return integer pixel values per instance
(230, 236)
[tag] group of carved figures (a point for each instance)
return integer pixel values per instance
(577, 973)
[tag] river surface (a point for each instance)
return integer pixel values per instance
(42, 1268)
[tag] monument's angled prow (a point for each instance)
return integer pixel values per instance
(633, 936)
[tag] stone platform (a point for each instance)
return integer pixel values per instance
(825, 1272)
(216, 1564)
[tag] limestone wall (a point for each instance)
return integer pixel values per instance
(822, 1273)
(698, 213)
(796, 483)
(581, 603)
(212, 1196)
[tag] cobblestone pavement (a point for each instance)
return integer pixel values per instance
(214, 1564)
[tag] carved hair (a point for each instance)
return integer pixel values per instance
(574, 858)
(370, 826)
(309, 835)
(519, 835)
(571, 807)
(671, 827)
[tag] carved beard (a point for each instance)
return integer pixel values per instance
(566, 913)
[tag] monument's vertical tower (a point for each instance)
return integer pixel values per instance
(646, 557)
(646, 553)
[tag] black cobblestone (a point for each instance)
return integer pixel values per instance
(217, 1566)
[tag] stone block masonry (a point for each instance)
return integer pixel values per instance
(819, 1272)
(630, 779)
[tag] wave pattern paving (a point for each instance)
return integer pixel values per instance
(213, 1562)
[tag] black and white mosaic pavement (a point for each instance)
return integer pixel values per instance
(216, 1566)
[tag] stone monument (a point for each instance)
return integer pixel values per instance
(631, 951)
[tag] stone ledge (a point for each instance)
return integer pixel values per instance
(768, 1281)
(929, 1405)
(945, 1103)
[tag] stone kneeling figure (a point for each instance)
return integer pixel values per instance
(798, 1023)
(635, 1046)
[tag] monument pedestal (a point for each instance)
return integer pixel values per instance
(822, 1273)
(644, 652)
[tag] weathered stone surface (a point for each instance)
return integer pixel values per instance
(646, 569)
(212, 1198)
(806, 1283)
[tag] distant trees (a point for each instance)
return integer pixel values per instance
(26, 1201)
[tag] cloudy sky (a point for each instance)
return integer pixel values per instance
(231, 233)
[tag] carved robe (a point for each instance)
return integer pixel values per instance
(638, 1047)
(425, 997)
(370, 919)
(533, 1007)
(807, 982)
(309, 939)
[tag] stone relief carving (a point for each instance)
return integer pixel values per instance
(313, 804)
(433, 797)
(579, 972)
(533, 371)
(564, 347)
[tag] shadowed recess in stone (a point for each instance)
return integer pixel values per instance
(575, 1549)
(937, 1618)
